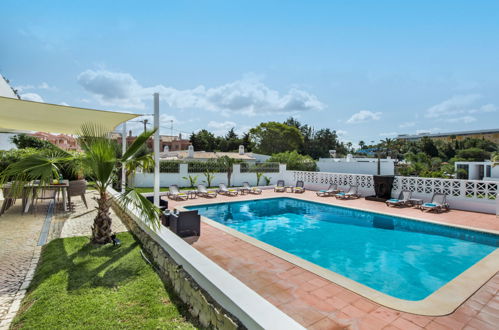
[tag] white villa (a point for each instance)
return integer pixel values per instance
(352, 165)
(478, 170)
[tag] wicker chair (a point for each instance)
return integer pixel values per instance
(77, 188)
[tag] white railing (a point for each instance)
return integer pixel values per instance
(470, 195)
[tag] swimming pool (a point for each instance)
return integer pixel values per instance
(403, 258)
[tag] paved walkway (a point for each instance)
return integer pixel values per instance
(317, 303)
(19, 236)
(18, 240)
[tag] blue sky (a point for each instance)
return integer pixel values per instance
(368, 69)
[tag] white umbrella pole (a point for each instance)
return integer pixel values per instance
(156, 149)
(123, 150)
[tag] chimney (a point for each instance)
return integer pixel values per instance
(241, 150)
(166, 149)
(190, 152)
(130, 133)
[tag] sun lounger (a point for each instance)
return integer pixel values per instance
(222, 190)
(330, 191)
(438, 204)
(249, 189)
(403, 200)
(175, 194)
(280, 186)
(351, 193)
(203, 192)
(299, 187)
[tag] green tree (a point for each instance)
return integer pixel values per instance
(294, 161)
(23, 141)
(473, 154)
(203, 140)
(273, 137)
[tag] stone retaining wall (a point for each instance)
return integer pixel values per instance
(209, 313)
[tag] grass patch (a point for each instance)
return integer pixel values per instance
(79, 285)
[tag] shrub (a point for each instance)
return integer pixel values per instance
(294, 161)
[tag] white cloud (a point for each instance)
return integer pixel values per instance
(31, 97)
(364, 116)
(341, 133)
(484, 108)
(458, 108)
(407, 124)
(43, 85)
(455, 105)
(247, 96)
(462, 119)
(221, 128)
(389, 134)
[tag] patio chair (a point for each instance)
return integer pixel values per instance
(438, 203)
(175, 193)
(280, 187)
(223, 190)
(45, 194)
(330, 191)
(77, 188)
(203, 192)
(351, 193)
(8, 199)
(403, 200)
(185, 223)
(252, 190)
(299, 187)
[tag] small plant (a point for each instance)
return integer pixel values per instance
(258, 177)
(192, 180)
(267, 180)
(209, 177)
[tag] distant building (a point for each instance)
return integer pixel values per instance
(63, 141)
(486, 134)
(190, 154)
(167, 142)
(356, 165)
(477, 171)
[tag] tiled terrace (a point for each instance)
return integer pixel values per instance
(317, 303)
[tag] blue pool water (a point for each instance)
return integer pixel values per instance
(403, 258)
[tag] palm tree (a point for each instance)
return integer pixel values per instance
(100, 163)
(227, 164)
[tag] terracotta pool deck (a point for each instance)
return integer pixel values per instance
(317, 303)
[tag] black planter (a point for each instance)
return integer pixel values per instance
(382, 188)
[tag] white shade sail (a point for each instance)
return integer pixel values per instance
(20, 115)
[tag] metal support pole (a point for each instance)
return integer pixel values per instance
(123, 150)
(156, 149)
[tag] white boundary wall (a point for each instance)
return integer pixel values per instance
(237, 178)
(468, 195)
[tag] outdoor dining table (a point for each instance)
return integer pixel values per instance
(29, 195)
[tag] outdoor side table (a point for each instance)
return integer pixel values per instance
(416, 202)
(191, 194)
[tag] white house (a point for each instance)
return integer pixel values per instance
(478, 170)
(190, 154)
(356, 165)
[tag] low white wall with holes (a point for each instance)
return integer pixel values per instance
(469, 195)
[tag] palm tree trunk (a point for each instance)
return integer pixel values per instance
(101, 230)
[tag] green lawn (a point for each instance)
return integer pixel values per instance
(82, 286)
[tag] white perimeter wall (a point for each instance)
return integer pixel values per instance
(237, 178)
(355, 167)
